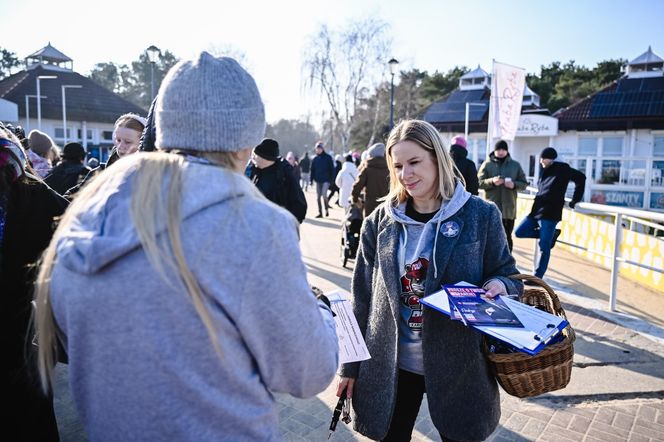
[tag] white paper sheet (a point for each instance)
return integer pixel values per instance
(352, 347)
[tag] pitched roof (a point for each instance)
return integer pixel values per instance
(647, 57)
(625, 103)
(476, 73)
(92, 102)
(49, 53)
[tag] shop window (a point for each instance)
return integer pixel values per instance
(588, 146)
(612, 146)
(610, 172)
(658, 147)
(60, 132)
(89, 134)
(107, 135)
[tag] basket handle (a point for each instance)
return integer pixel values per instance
(557, 307)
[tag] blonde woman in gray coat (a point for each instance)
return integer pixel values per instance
(428, 232)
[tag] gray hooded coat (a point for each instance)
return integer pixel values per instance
(463, 396)
(141, 363)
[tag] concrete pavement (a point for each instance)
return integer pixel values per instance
(617, 388)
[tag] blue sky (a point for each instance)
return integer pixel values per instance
(428, 35)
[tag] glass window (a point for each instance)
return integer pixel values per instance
(657, 172)
(612, 146)
(610, 172)
(588, 146)
(658, 147)
(107, 135)
(60, 132)
(88, 132)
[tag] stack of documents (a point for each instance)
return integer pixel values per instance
(536, 330)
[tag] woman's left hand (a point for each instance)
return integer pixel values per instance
(494, 287)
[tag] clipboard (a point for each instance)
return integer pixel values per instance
(539, 327)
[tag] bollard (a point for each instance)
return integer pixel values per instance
(615, 264)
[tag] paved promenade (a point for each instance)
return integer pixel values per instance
(617, 387)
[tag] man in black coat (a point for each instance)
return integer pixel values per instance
(547, 208)
(459, 152)
(274, 177)
(322, 172)
(70, 172)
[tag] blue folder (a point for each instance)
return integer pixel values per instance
(539, 327)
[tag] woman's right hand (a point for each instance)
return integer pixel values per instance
(346, 383)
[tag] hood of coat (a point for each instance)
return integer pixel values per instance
(377, 163)
(448, 208)
(349, 167)
(458, 152)
(103, 231)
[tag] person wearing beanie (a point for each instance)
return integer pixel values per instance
(373, 179)
(71, 171)
(172, 281)
(275, 178)
(459, 152)
(548, 205)
(42, 152)
(501, 178)
(322, 173)
(345, 180)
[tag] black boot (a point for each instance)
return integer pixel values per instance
(556, 234)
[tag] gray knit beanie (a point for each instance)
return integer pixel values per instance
(376, 150)
(209, 104)
(40, 143)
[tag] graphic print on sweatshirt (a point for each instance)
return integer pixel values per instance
(412, 289)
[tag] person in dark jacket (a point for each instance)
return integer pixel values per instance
(149, 135)
(274, 177)
(305, 168)
(71, 171)
(28, 209)
(322, 172)
(459, 152)
(547, 208)
(334, 189)
(373, 179)
(501, 178)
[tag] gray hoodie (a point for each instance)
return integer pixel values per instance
(417, 243)
(141, 364)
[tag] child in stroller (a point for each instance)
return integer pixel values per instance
(350, 231)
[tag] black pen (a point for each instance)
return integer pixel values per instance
(337, 412)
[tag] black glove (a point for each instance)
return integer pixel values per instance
(318, 293)
(572, 204)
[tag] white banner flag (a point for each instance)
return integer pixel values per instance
(507, 87)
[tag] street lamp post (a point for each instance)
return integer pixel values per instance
(27, 110)
(41, 77)
(64, 106)
(153, 56)
(393, 63)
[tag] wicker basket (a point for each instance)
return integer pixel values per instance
(523, 375)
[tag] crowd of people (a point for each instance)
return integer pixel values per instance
(152, 274)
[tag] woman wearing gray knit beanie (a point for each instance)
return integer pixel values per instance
(160, 280)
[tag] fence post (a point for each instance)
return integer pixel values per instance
(615, 264)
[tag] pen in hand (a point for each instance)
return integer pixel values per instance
(337, 413)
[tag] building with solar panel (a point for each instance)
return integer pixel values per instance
(66, 97)
(616, 135)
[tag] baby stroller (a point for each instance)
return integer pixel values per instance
(350, 232)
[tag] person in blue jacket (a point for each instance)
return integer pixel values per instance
(322, 173)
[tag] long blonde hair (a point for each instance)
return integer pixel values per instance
(428, 138)
(148, 203)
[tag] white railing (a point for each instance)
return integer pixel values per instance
(634, 216)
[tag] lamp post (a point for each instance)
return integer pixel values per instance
(64, 107)
(153, 55)
(41, 77)
(393, 63)
(27, 110)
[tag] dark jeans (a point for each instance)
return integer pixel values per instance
(508, 225)
(321, 194)
(410, 391)
(542, 229)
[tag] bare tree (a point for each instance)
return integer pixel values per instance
(345, 66)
